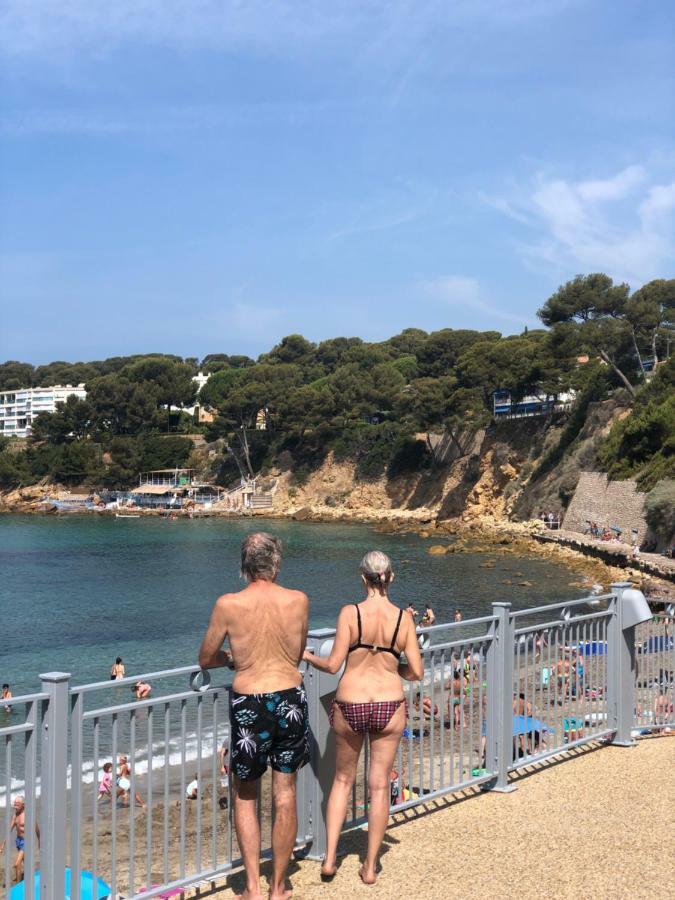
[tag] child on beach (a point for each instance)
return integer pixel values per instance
(18, 824)
(124, 781)
(105, 784)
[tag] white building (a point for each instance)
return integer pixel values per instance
(19, 408)
(200, 380)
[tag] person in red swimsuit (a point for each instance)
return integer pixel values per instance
(370, 638)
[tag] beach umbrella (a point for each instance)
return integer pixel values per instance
(87, 889)
(526, 724)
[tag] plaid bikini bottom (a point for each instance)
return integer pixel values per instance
(366, 717)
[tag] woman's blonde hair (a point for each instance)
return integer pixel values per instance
(376, 569)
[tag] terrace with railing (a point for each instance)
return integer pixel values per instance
(499, 693)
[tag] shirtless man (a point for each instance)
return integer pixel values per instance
(429, 617)
(18, 822)
(267, 630)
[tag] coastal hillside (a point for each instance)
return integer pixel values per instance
(449, 424)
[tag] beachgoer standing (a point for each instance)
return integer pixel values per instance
(411, 609)
(369, 640)
(124, 781)
(6, 695)
(268, 706)
(18, 823)
(429, 616)
(117, 669)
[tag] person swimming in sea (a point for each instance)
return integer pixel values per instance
(117, 669)
(6, 695)
(142, 690)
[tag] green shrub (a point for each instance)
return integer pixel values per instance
(660, 510)
(301, 475)
(642, 445)
(595, 390)
(14, 469)
(409, 455)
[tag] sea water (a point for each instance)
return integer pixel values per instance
(78, 591)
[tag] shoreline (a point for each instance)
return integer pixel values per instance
(599, 564)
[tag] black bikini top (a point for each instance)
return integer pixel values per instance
(392, 647)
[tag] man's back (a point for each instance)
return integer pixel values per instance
(267, 629)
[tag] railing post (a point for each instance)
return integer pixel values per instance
(54, 794)
(620, 670)
(499, 744)
(317, 777)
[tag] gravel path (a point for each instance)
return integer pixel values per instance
(599, 825)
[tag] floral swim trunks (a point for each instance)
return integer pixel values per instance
(272, 727)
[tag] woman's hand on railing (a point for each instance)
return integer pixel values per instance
(313, 660)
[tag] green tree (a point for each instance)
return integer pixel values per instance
(440, 353)
(15, 375)
(171, 380)
(214, 362)
(120, 406)
(408, 343)
(14, 467)
(70, 421)
(516, 364)
(650, 313)
(597, 307)
(293, 348)
(331, 354)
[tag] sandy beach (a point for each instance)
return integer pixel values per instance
(597, 823)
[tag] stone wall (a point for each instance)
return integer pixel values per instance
(606, 502)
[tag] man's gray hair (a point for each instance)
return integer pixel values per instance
(260, 556)
(376, 568)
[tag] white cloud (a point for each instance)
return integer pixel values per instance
(464, 293)
(623, 224)
(613, 188)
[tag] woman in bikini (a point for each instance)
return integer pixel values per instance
(370, 638)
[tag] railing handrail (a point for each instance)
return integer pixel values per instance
(130, 680)
(478, 718)
(563, 604)
(150, 701)
(24, 698)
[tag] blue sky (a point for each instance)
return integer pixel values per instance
(207, 176)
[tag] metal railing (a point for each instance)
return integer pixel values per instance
(560, 685)
(19, 768)
(109, 775)
(655, 687)
(138, 827)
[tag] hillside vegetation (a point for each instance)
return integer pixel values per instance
(371, 403)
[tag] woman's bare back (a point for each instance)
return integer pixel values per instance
(371, 673)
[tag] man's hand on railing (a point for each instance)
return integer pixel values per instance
(220, 659)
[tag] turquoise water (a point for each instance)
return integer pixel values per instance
(77, 591)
